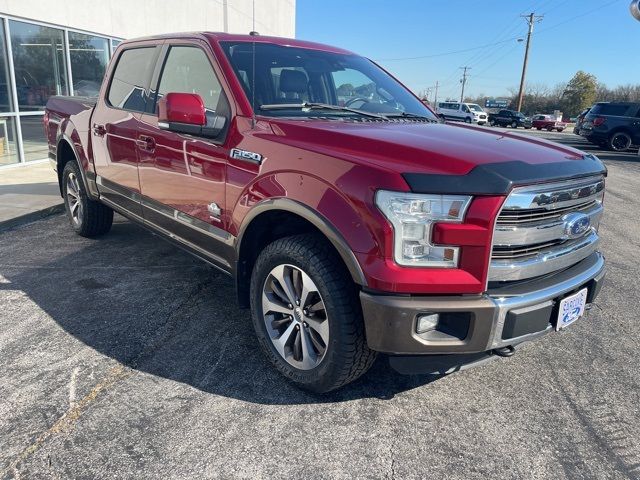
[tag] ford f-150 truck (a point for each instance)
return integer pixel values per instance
(351, 219)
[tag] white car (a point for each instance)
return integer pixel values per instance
(462, 112)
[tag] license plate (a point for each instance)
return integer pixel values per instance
(571, 309)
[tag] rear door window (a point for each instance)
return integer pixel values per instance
(128, 89)
(610, 109)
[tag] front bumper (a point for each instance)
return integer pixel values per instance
(504, 316)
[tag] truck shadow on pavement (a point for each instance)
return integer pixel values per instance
(137, 299)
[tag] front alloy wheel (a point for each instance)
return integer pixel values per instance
(306, 312)
(295, 317)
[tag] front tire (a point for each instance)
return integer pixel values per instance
(307, 314)
(514, 124)
(467, 120)
(87, 217)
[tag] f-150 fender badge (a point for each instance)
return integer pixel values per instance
(253, 157)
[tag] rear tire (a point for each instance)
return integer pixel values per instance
(87, 217)
(619, 141)
(328, 319)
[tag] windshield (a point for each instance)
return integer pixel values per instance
(475, 108)
(295, 76)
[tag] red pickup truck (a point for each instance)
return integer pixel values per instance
(351, 219)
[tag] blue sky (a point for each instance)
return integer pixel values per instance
(598, 36)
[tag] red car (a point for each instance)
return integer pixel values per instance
(548, 122)
(349, 226)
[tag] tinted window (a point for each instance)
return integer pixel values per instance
(610, 109)
(188, 70)
(130, 79)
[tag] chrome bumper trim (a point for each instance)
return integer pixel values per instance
(511, 298)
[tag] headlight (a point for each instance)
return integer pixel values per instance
(412, 216)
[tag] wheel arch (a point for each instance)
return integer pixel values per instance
(277, 218)
(66, 152)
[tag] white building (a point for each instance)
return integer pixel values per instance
(46, 47)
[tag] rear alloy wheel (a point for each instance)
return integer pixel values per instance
(73, 200)
(307, 315)
(620, 141)
(88, 218)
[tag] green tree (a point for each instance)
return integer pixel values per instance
(580, 93)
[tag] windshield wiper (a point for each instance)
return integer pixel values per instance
(320, 106)
(412, 115)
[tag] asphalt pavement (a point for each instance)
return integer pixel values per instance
(124, 357)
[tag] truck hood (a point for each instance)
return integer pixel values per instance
(437, 149)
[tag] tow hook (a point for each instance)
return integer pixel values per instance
(507, 351)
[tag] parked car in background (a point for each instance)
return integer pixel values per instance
(579, 120)
(347, 230)
(462, 112)
(509, 118)
(547, 122)
(615, 125)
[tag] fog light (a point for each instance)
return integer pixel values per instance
(427, 322)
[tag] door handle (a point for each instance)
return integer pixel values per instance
(99, 130)
(147, 143)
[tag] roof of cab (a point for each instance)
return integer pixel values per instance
(231, 37)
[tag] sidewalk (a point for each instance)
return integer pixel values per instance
(28, 193)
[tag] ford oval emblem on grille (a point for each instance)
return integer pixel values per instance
(576, 224)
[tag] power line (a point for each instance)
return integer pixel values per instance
(479, 47)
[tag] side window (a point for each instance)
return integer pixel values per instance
(465, 109)
(188, 70)
(130, 78)
(455, 106)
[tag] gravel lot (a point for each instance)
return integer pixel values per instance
(125, 358)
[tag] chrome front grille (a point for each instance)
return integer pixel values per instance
(518, 216)
(545, 228)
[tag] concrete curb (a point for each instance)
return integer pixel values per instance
(31, 216)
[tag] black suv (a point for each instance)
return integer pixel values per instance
(509, 118)
(615, 125)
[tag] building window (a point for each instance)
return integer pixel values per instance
(89, 56)
(39, 64)
(6, 100)
(34, 142)
(8, 145)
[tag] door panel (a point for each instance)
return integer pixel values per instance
(182, 177)
(114, 127)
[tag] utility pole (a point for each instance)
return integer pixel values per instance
(435, 100)
(463, 81)
(531, 19)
